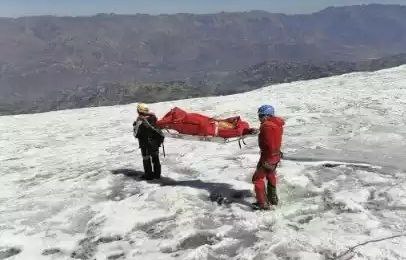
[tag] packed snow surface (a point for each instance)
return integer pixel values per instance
(70, 186)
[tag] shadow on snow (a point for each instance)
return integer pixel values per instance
(222, 193)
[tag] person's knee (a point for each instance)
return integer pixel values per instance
(272, 178)
(258, 176)
(258, 181)
(155, 156)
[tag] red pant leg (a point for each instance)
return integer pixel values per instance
(259, 184)
(271, 177)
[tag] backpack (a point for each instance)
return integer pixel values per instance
(157, 133)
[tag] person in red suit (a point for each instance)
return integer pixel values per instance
(269, 141)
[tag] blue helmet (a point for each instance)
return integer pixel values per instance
(266, 110)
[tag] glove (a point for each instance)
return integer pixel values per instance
(254, 131)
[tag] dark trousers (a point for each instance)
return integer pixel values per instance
(151, 170)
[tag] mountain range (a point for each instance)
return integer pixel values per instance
(49, 62)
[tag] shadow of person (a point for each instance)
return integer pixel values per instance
(222, 193)
(134, 174)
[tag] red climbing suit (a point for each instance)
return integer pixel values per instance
(269, 140)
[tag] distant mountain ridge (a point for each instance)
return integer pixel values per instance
(42, 57)
(250, 78)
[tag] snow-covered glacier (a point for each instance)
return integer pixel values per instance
(70, 186)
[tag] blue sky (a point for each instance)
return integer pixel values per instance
(14, 8)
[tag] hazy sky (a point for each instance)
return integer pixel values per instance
(13, 8)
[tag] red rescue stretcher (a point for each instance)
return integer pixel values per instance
(178, 123)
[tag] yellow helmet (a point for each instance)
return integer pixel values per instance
(142, 108)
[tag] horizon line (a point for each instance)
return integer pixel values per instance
(193, 13)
